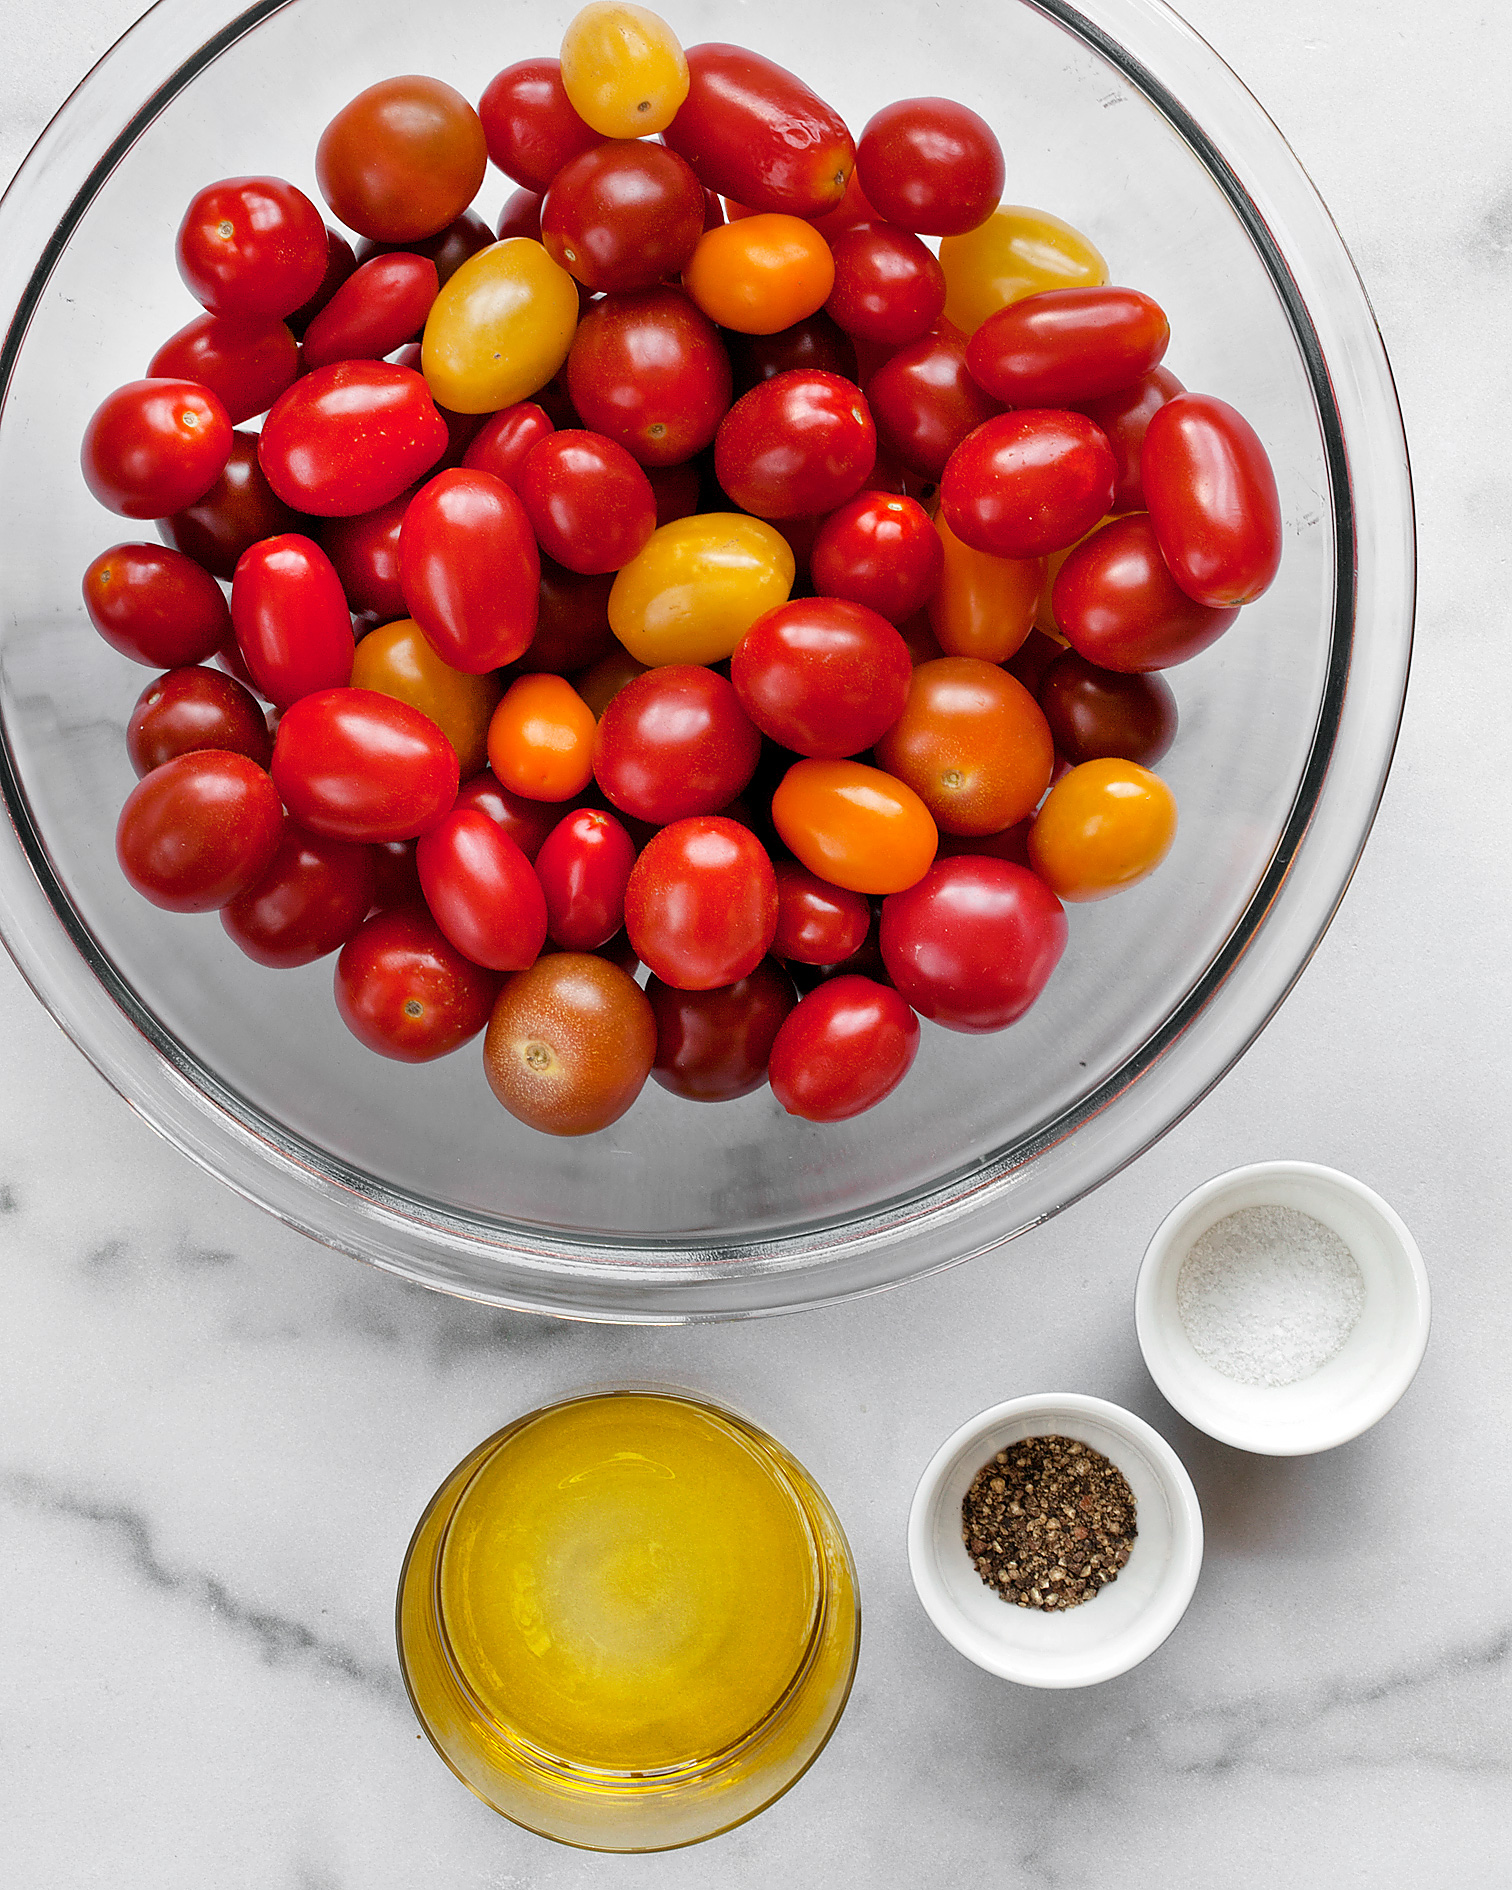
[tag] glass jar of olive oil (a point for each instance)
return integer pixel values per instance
(629, 1621)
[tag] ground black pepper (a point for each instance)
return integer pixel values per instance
(1048, 1522)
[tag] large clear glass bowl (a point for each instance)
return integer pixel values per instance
(1119, 119)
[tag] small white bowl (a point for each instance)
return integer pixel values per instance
(1353, 1389)
(1119, 1626)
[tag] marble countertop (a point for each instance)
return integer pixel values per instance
(215, 1436)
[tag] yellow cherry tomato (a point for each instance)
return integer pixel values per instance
(1103, 826)
(499, 329)
(623, 70)
(540, 741)
(697, 586)
(396, 660)
(983, 606)
(760, 274)
(1016, 252)
(855, 826)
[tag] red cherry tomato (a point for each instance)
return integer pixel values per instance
(753, 131)
(929, 164)
(252, 246)
(362, 766)
(365, 552)
(521, 215)
(196, 831)
(340, 262)
(470, 570)
(674, 742)
(845, 1048)
(153, 447)
(817, 924)
(712, 1046)
(398, 881)
(1125, 417)
(405, 991)
(1066, 346)
(974, 943)
(292, 623)
(503, 443)
(1099, 713)
(676, 491)
(796, 445)
(623, 215)
(313, 896)
(880, 550)
(531, 127)
(482, 891)
(194, 708)
(402, 160)
(924, 401)
(648, 369)
(572, 628)
(376, 310)
(245, 360)
(584, 866)
(822, 676)
(448, 249)
(1028, 482)
(1119, 606)
(888, 287)
(526, 822)
(701, 903)
(1212, 500)
(239, 508)
(590, 504)
(817, 343)
(155, 606)
(350, 437)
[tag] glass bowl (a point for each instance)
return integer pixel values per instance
(1120, 120)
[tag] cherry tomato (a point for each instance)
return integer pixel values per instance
(503, 443)
(154, 446)
(753, 131)
(1066, 346)
(932, 165)
(1212, 500)
(155, 606)
(817, 924)
(572, 629)
(983, 606)
(676, 490)
(924, 401)
(229, 657)
(854, 826)
(1125, 416)
(973, 745)
(312, 897)
(880, 550)
(698, 586)
(375, 310)
(398, 660)
(482, 891)
(500, 329)
(853, 208)
(350, 437)
(365, 552)
(701, 903)
(822, 676)
(398, 881)
(623, 215)
(795, 446)
(528, 120)
(761, 274)
(888, 287)
(405, 991)
(197, 830)
(816, 342)
(601, 683)
(526, 822)
(448, 249)
(1028, 482)
(712, 1046)
(584, 866)
(292, 624)
(1104, 826)
(340, 262)
(1117, 603)
(1014, 253)
(469, 569)
(1100, 713)
(569, 1044)
(649, 370)
(193, 708)
(845, 1048)
(252, 246)
(239, 508)
(540, 741)
(402, 160)
(974, 943)
(674, 742)
(1011, 844)
(590, 504)
(362, 766)
(245, 360)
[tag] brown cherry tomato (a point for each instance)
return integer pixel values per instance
(712, 1046)
(572, 628)
(397, 659)
(1104, 826)
(311, 899)
(405, 991)
(599, 684)
(193, 708)
(448, 249)
(815, 342)
(1099, 713)
(402, 160)
(973, 745)
(570, 1044)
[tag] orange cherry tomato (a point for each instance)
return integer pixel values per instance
(972, 743)
(540, 741)
(984, 606)
(397, 661)
(1104, 826)
(760, 274)
(855, 826)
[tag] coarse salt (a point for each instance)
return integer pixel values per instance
(1268, 1295)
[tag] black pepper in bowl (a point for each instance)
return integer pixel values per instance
(1048, 1522)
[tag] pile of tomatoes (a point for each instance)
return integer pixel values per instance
(704, 572)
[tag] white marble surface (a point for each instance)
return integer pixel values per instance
(215, 1437)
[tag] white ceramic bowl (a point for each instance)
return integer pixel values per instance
(1359, 1384)
(1121, 1625)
